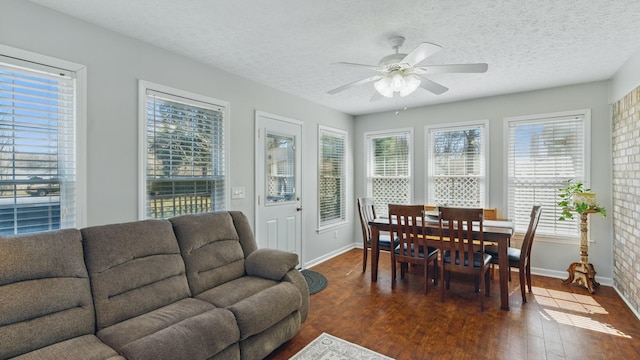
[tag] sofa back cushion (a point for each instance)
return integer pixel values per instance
(45, 295)
(134, 268)
(214, 247)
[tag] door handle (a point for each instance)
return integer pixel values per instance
(299, 209)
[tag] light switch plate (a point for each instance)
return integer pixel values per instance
(237, 192)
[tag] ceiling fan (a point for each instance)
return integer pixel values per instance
(400, 74)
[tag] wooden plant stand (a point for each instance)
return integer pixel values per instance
(583, 273)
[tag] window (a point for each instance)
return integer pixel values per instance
(184, 152)
(39, 167)
(389, 171)
(456, 165)
(543, 152)
(332, 176)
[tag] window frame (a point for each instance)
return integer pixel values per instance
(586, 158)
(368, 138)
(143, 86)
(485, 151)
(80, 120)
(338, 133)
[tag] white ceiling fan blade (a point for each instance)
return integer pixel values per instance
(374, 67)
(432, 86)
(451, 68)
(423, 51)
(355, 83)
(376, 97)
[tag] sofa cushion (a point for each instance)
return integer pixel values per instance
(270, 263)
(86, 347)
(260, 345)
(186, 329)
(230, 293)
(45, 294)
(257, 303)
(211, 247)
(134, 268)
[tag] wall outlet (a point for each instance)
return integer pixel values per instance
(237, 192)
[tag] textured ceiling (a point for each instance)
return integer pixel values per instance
(290, 44)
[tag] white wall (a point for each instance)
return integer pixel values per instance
(115, 63)
(625, 79)
(547, 257)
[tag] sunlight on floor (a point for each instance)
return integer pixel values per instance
(567, 303)
(584, 323)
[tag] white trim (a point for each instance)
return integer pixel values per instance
(80, 119)
(143, 85)
(328, 256)
(486, 153)
(347, 202)
(626, 301)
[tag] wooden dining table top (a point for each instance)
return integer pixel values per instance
(491, 228)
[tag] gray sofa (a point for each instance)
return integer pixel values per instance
(191, 287)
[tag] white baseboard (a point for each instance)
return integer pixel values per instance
(328, 256)
(563, 275)
(626, 301)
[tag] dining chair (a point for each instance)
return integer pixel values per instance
(407, 224)
(521, 258)
(462, 252)
(490, 214)
(367, 212)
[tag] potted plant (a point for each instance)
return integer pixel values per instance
(576, 198)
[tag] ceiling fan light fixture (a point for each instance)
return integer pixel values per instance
(397, 81)
(411, 83)
(383, 86)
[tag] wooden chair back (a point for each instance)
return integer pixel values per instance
(456, 236)
(489, 213)
(527, 242)
(367, 213)
(406, 223)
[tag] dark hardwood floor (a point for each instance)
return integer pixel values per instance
(557, 322)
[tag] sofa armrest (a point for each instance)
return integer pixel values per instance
(270, 263)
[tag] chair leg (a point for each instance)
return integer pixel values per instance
(522, 275)
(403, 269)
(481, 277)
(528, 273)
(436, 272)
(364, 259)
(487, 283)
(447, 278)
(426, 276)
(442, 282)
(393, 272)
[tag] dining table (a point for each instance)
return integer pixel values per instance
(498, 231)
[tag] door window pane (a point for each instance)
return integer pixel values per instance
(280, 184)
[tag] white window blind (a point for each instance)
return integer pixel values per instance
(185, 155)
(389, 169)
(332, 176)
(37, 147)
(543, 153)
(456, 165)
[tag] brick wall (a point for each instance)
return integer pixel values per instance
(626, 197)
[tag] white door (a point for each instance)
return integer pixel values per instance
(278, 183)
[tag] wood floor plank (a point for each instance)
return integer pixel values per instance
(558, 321)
